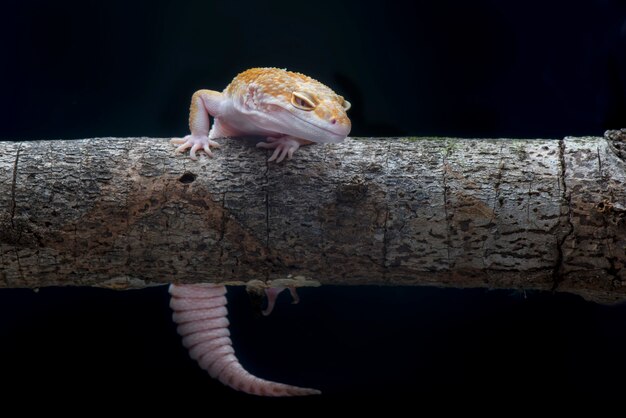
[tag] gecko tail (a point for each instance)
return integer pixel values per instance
(200, 312)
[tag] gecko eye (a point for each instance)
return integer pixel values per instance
(302, 101)
(344, 103)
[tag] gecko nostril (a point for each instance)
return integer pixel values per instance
(333, 121)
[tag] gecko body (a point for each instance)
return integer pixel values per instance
(288, 109)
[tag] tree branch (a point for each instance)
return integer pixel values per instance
(127, 212)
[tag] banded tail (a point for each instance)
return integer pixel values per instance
(200, 312)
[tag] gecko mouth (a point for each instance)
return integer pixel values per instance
(326, 130)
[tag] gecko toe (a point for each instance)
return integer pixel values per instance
(272, 295)
(264, 145)
(283, 153)
(183, 147)
(294, 295)
(274, 155)
(194, 148)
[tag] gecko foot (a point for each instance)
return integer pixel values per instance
(195, 142)
(272, 294)
(283, 146)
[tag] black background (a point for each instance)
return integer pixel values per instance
(446, 68)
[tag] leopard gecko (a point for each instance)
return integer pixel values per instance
(289, 109)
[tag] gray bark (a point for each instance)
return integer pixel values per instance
(496, 213)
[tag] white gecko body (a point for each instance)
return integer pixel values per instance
(289, 109)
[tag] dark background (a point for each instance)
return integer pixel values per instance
(447, 68)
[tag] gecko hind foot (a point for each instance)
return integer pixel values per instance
(283, 146)
(195, 142)
(272, 294)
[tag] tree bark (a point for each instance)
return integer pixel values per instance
(496, 213)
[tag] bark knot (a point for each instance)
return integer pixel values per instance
(352, 192)
(187, 177)
(617, 142)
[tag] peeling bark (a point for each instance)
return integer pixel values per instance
(496, 213)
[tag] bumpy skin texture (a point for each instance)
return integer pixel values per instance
(289, 109)
(200, 312)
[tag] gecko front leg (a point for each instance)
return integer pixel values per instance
(204, 103)
(200, 312)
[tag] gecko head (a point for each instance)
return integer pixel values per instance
(300, 106)
(317, 115)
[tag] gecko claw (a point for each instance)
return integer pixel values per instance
(272, 294)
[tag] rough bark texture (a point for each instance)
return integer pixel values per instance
(497, 213)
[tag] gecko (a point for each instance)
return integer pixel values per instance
(288, 109)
